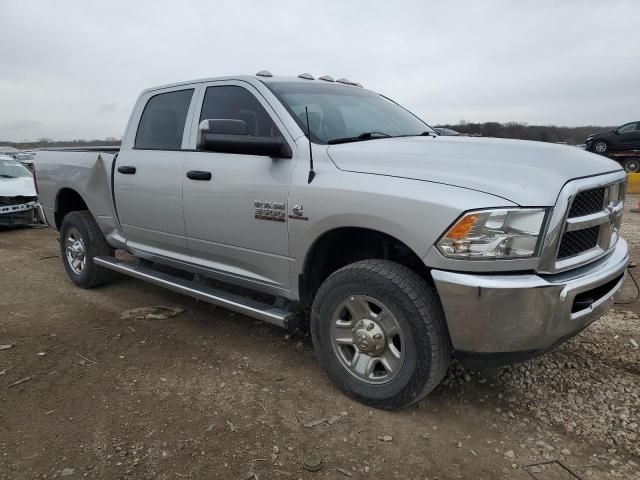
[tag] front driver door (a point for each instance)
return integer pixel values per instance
(148, 174)
(224, 230)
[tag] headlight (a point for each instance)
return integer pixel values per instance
(494, 234)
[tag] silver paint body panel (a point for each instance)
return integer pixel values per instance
(412, 189)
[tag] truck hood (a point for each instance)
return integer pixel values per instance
(17, 187)
(524, 172)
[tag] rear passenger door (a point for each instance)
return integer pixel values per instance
(226, 231)
(148, 173)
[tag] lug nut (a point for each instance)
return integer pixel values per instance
(370, 326)
(377, 336)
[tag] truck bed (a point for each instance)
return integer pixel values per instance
(87, 171)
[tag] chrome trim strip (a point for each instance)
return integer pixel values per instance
(587, 221)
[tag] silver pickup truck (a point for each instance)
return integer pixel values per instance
(318, 203)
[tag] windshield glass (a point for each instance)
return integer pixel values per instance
(345, 112)
(13, 169)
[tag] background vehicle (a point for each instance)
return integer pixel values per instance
(18, 197)
(26, 158)
(321, 195)
(625, 137)
(629, 160)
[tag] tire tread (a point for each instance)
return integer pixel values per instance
(95, 245)
(426, 301)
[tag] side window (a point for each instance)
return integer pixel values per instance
(162, 122)
(236, 103)
(629, 127)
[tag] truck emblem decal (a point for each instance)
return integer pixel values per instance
(274, 211)
(298, 213)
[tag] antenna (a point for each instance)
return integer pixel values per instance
(312, 173)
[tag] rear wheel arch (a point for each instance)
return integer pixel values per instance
(67, 200)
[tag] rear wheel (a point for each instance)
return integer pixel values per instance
(80, 241)
(600, 146)
(379, 331)
(632, 165)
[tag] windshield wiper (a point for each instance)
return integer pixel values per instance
(426, 133)
(359, 138)
(6, 176)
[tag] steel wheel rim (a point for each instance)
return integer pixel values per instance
(600, 147)
(367, 339)
(75, 251)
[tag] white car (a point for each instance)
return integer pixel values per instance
(18, 197)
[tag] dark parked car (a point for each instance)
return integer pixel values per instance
(625, 137)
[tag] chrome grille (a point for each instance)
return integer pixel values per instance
(585, 222)
(578, 241)
(587, 202)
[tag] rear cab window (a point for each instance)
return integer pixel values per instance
(163, 120)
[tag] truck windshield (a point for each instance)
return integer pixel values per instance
(13, 169)
(340, 113)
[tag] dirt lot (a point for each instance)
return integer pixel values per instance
(209, 394)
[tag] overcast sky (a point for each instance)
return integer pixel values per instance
(73, 69)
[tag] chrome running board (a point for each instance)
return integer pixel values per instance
(237, 303)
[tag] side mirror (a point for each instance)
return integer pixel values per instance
(232, 136)
(616, 131)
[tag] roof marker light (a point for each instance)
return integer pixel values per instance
(343, 80)
(264, 73)
(306, 76)
(326, 78)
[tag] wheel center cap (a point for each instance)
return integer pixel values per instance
(369, 338)
(77, 250)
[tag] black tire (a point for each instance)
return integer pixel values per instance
(632, 165)
(91, 275)
(603, 149)
(417, 309)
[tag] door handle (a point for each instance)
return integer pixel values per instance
(198, 175)
(127, 170)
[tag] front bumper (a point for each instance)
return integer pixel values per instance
(23, 214)
(513, 316)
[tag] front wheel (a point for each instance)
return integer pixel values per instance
(379, 331)
(632, 165)
(600, 146)
(80, 241)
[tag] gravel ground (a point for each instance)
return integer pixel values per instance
(86, 393)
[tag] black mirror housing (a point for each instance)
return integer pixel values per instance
(245, 145)
(227, 135)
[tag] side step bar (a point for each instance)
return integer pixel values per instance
(230, 301)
